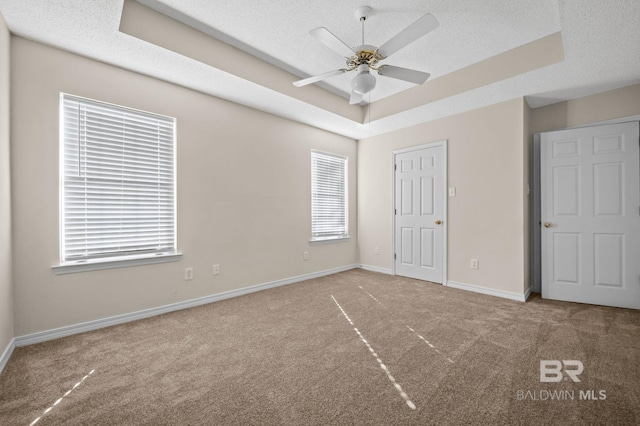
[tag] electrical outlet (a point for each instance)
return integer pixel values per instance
(475, 264)
(376, 251)
(188, 274)
(216, 269)
(305, 255)
(452, 191)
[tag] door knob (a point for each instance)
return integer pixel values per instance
(548, 224)
(438, 222)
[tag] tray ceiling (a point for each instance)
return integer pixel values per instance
(592, 47)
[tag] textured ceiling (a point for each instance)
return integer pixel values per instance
(601, 41)
(469, 31)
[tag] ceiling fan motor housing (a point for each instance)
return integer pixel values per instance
(365, 54)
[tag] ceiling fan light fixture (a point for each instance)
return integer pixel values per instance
(364, 82)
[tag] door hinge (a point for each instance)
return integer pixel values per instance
(394, 256)
(395, 167)
(395, 211)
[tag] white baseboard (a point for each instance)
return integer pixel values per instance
(376, 269)
(56, 333)
(489, 291)
(7, 354)
(527, 293)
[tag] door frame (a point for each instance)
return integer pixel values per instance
(536, 206)
(445, 196)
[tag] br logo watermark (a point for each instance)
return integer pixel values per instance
(554, 370)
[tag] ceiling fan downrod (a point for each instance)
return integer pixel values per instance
(364, 54)
(362, 13)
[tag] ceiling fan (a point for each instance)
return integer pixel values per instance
(365, 57)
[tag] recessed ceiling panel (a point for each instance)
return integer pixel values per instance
(470, 31)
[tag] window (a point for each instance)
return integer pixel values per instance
(329, 218)
(117, 183)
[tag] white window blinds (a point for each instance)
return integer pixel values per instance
(118, 196)
(328, 196)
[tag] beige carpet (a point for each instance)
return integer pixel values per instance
(352, 348)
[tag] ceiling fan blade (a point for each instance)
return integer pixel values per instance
(327, 38)
(316, 78)
(413, 76)
(356, 98)
(410, 34)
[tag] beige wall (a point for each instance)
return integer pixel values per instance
(618, 103)
(6, 287)
(486, 220)
(243, 194)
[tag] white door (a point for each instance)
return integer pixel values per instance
(420, 212)
(590, 214)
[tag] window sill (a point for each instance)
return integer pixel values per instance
(329, 240)
(112, 263)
